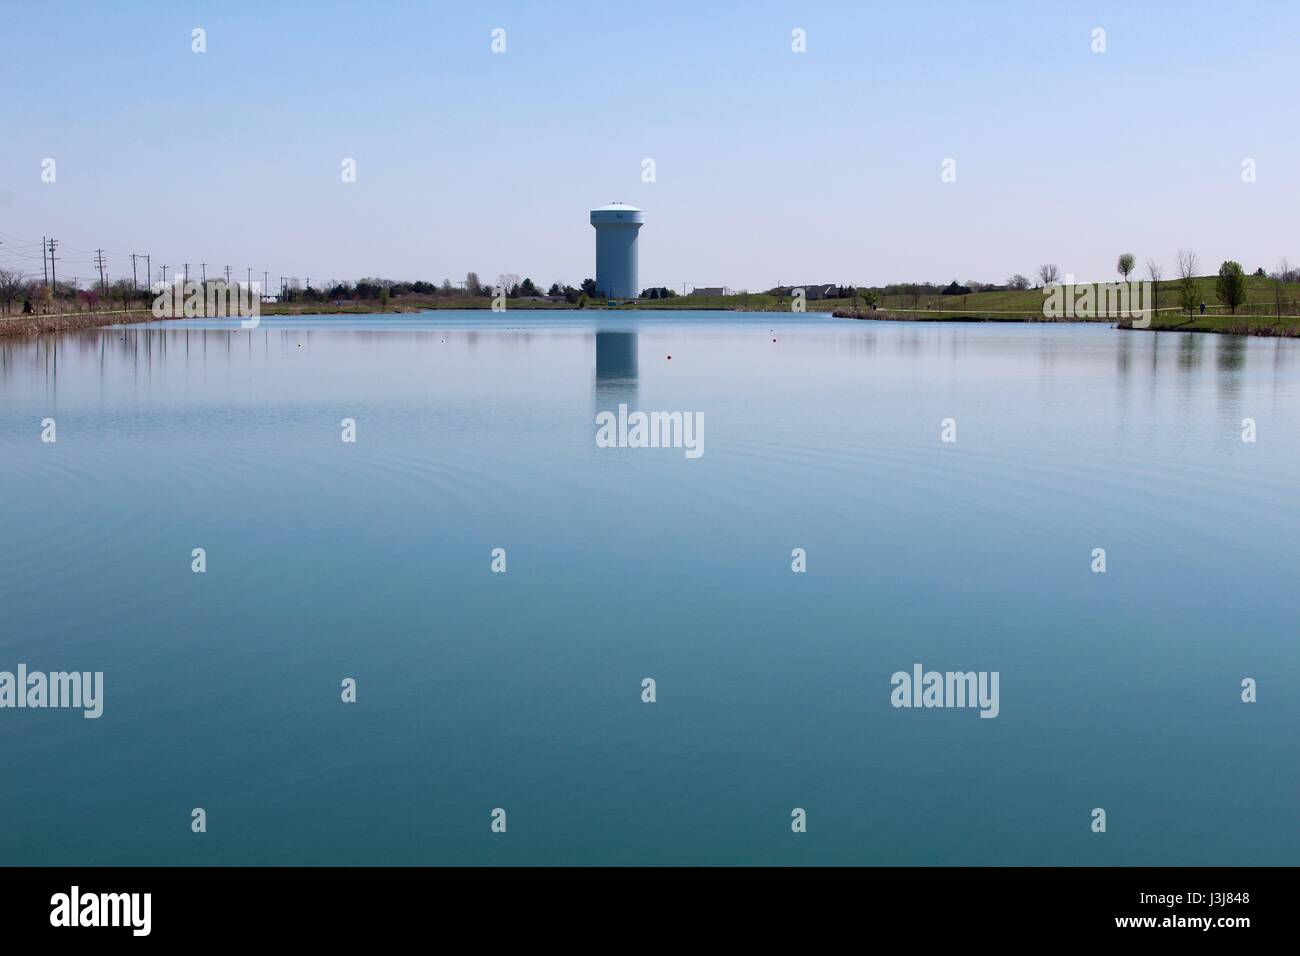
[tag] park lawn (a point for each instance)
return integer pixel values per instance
(1257, 315)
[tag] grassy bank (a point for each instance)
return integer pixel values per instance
(1258, 316)
(39, 324)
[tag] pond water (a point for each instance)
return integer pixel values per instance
(475, 690)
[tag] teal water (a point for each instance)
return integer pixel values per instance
(522, 690)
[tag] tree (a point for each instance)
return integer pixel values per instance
(1230, 287)
(1279, 285)
(472, 285)
(11, 286)
(527, 288)
(1049, 274)
(1155, 271)
(1188, 265)
(589, 288)
(1018, 283)
(1125, 265)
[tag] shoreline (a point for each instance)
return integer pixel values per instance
(1232, 325)
(1225, 325)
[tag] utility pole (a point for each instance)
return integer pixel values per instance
(99, 264)
(162, 274)
(148, 268)
(250, 278)
(264, 281)
(134, 282)
(204, 267)
(44, 268)
(53, 245)
(187, 275)
(227, 275)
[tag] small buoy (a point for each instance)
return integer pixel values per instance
(670, 358)
(299, 345)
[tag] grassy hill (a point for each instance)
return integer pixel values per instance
(1258, 314)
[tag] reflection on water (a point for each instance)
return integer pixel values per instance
(475, 431)
(616, 370)
(136, 350)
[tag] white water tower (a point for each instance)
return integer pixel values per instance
(617, 226)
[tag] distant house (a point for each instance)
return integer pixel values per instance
(812, 291)
(822, 291)
(709, 290)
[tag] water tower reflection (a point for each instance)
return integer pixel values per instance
(616, 370)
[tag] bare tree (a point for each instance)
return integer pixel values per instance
(1125, 265)
(1049, 274)
(11, 287)
(1188, 265)
(1018, 282)
(1156, 272)
(1280, 279)
(472, 285)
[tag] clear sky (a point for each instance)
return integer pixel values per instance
(770, 165)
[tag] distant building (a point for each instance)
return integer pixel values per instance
(811, 291)
(709, 290)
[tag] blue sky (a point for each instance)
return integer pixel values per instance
(771, 166)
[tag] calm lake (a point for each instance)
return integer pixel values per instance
(522, 690)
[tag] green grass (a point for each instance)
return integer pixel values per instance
(1256, 316)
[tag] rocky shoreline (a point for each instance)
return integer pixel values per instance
(41, 324)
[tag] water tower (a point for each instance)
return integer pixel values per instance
(617, 226)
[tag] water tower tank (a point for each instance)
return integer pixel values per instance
(617, 226)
